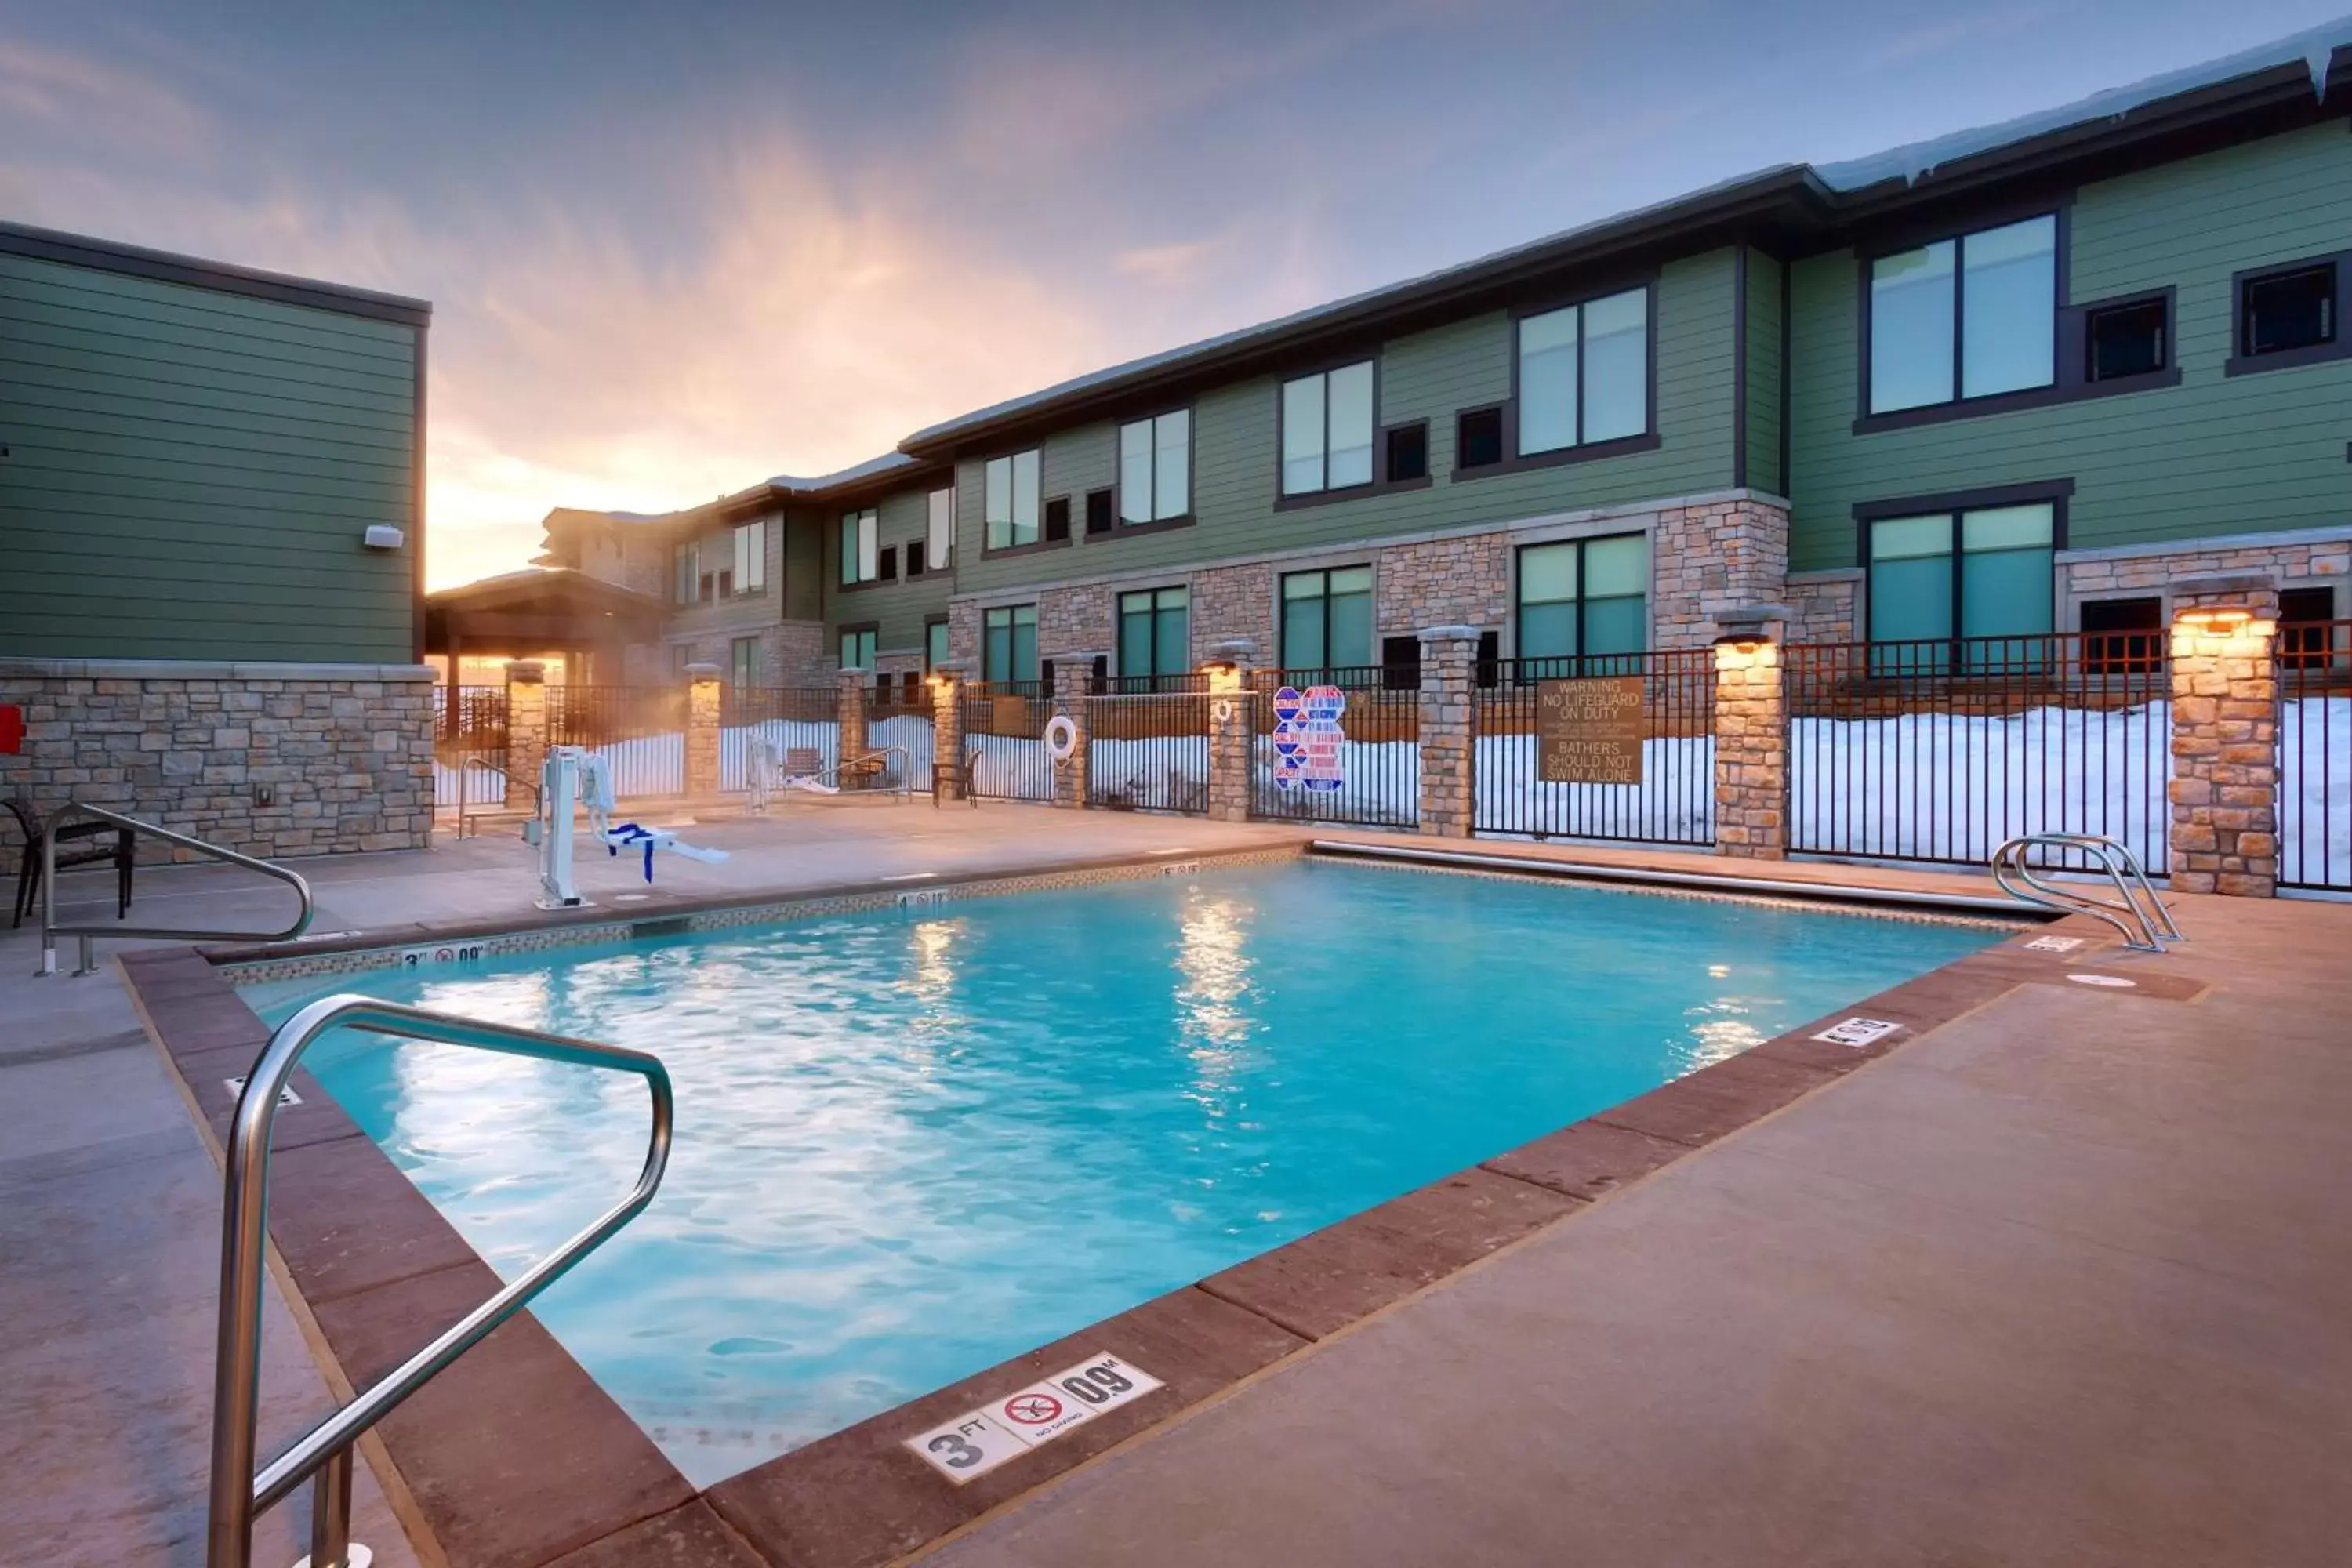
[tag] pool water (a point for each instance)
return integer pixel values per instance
(912, 1143)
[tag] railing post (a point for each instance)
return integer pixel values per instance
(526, 721)
(1448, 749)
(331, 1512)
(704, 691)
(1074, 698)
(1752, 735)
(2225, 717)
(1233, 726)
(948, 781)
(850, 713)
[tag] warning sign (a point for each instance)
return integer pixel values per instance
(979, 1440)
(1590, 730)
(1858, 1032)
(1307, 738)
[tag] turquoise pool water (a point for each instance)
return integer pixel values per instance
(913, 1143)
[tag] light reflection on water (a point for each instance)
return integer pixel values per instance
(911, 1145)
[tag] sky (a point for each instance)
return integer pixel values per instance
(675, 248)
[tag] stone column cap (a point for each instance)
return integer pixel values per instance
(951, 668)
(703, 672)
(1450, 633)
(1753, 617)
(526, 670)
(844, 670)
(1242, 651)
(2218, 582)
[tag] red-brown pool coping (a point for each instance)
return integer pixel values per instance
(515, 1458)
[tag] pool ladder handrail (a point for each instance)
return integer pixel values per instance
(238, 1491)
(51, 929)
(2145, 928)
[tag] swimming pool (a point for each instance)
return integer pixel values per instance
(911, 1144)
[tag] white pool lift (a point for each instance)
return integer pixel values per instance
(575, 779)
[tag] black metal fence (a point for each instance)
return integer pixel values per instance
(1147, 744)
(1673, 802)
(2316, 755)
(1940, 750)
(641, 729)
(1003, 739)
(1339, 745)
(469, 747)
(788, 718)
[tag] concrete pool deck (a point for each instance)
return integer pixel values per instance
(1495, 1364)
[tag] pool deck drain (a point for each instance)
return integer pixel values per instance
(521, 1460)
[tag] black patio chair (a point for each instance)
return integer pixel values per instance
(123, 852)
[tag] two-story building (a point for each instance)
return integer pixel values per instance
(2013, 379)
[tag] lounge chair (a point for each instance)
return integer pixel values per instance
(123, 852)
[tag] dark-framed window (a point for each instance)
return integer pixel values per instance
(1983, 571)
(939, 528)
(751, 569)
(686, 572)
(1008, 642)
(2309, 636)
(2290, 314)
(1405, 453)
(1155, 467)
(1400, 663)
(1478, 437)
(743, 661)
(1970, 316)
(2128, 338)
(935, 643)
(861, 547)
(915, 562)
(1057, 519)
(1100, 506)
(1009, 499)
(858, 648)
(1580, 596)
(1154, 636)
(885, 565)
(1327, 618)
(1583, 373)
(1327, 422)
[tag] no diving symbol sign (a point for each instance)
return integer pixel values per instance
(979, 1440)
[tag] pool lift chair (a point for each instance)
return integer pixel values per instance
(2140, 916)
(575, 779)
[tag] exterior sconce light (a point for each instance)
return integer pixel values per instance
(1742, 650)
(2216, 621)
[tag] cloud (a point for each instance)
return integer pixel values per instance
(1164, 264)
(98, 101)
(1923, 42)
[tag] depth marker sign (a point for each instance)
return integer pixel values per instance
(979, 1440)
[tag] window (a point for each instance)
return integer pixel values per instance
(1983, 572)
(1155, 469)
(1327, 618)
(1478, 439)
(1584, 373)
(1012, 500)
(1584, 596)
(743, 661)
(1098, 511)
(2306, 640)
(861, 533)
(1008, 642)
(751, 558)
(914, 558)
(680, 656)
(2122, 635)
(1408, 454)
(2285, 310)
(885, 564)
(1154, 636)
(1973, 316)
(858, 648)
(686, 572)
(1400, 663)
(1326, 430)
(2125, 339)
(940, 536)
(935, 644)
(1057, 518)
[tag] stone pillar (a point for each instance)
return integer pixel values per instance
(1752, 735)
(704, 691)
(1449, 771)
(948, 781)
(2225, 715)
(849, 711)
(526, 727)
(1072, 694)
(1233, 726)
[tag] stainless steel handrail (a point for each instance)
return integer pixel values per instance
(239, 1493)
(464, 811)
(905, 786)
(2142, 930)
(51, 930)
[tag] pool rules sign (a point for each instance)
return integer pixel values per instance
(1590, 730)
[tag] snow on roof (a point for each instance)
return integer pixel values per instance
(889, 462)
(2311, 49)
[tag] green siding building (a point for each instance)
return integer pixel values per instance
(2017, 380)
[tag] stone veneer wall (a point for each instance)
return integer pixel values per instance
(2124, 575)
(1234, 603)
(1706, 560)
(798, 654)
(1073, 622)
(342, 752)
(1824, 606)
(1445, 582)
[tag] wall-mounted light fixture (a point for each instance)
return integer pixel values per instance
(383, 536)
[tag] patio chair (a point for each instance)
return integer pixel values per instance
(123, 852)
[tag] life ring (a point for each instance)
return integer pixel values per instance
(1062, 737)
